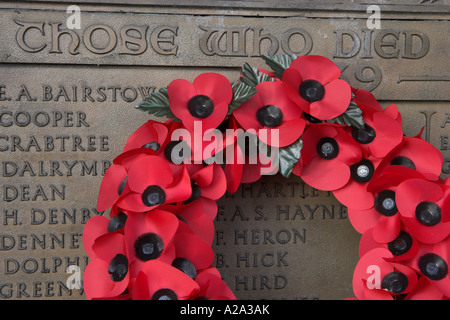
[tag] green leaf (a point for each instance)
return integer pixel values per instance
(241, 93)
(251, 76)
(157, 104)
(279, 63)
(289, 156)
(351, 117)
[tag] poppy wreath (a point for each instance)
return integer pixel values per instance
(162, 189)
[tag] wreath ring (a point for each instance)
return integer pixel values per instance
(302, 119)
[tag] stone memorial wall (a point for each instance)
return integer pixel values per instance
(67, 94)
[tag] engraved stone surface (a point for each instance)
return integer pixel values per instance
(66, 110)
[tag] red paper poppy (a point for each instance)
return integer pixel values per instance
(432, 261)
(383, 217)
(366, 98)
(271, 109)
(151, 134)
(425, 290)
(107, 275)
(195, 218)
(192, 250)
(376, 278)
(258, 159)
(157, 280)
(425, 209)
(327, 153)
(212, 286)
(418, 154)
(152, 183)
(114, 183)
(205, 100)
(149, 236)
(355, 194)
(381, 132)
(403, 248)
(313, 83)
(231, 161)
(208, 183)
(98, 226)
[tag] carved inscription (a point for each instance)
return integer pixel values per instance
(366, 56)
(271, 232)
(66, 109)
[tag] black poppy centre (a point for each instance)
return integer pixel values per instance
(365, 135)
(433, 266)
(118, 267)
(117, 222)
(164, 294)
(311, 90)
(176, 151)
(401, 244)
(327, 148)
(395, 282)
(362, 171)
(154, 195)
(121, 186)
(148, 246)
(152, 145)
(385, 203)
(200, 106)
(428, 213)
(403, 161)
(269, 116)
(195, 194)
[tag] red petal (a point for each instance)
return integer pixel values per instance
(246, 113)
(326, 174)
(363, 220)
(197, 220)
(413, 191)
(216, 118)
(273, 93)
(181, 189)
(427, 234)
(335, 101)
(212, 286)
(148, 132)
(159, 275)
(349, 151)
(147, 171)
(251, 173)
(386, 228)
(316, 67)
(108, 246)
(195, 249)
(364, 97)
(291, 81)
(97, 281)
(215, 86)
(363, 272)
(180, 91)
(288, 132)
(132, 202)
(94, 228)
(389, 134)
(426, 157)
(109, 187)
(312, 136)
(217, 188)
(425, 290)
(355, 195)
(163, 223)
(204, 176)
